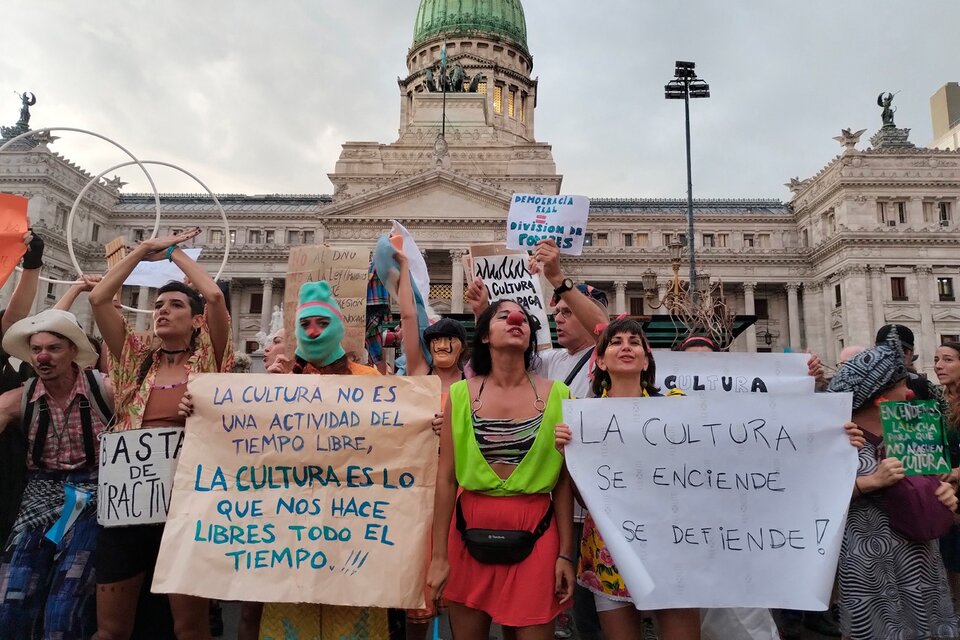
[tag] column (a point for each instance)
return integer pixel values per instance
(142, 323)
(750, 309)
(829, 344)
(236, 293)
(926, 341)
(456, 282)
(855, 306)
(876, 292)
(267, 310)
(621, 299)
(663, 288)
(793, 314)
(812, 314)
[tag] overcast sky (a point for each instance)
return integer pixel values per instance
(256, 97)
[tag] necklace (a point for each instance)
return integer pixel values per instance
(172, 354)
(538, 404)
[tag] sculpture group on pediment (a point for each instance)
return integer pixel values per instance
(454, 80)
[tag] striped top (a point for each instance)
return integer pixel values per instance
(505, 441)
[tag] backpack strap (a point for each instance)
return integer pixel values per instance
(27, 407)
(43, 428)
(573, 372)
(97, 391)
(86, 425)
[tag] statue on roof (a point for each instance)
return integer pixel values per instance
(886, 101)
(27, 100)
(430, 83)
(849, 138)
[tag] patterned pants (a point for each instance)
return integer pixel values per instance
(47, 590)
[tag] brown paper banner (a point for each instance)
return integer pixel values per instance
(300, 488)
(346, 269)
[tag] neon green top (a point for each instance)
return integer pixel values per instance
(538, 470)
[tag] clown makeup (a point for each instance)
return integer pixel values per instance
(446, 351)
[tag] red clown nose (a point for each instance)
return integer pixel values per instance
(516, 319)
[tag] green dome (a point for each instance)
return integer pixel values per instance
(503, 18)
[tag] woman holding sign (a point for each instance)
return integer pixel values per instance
(192, 334)
(504, 558)
(624, 368)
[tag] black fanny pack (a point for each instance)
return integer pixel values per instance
(501, 546)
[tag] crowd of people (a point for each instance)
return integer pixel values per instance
(501, 442)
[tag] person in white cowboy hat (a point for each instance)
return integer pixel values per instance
(47, 584)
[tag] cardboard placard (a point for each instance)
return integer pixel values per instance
(304, 488)
(346, 269)
(507, 276)
(533, 218)
(136, 475)
(709, 501)
(913, 434)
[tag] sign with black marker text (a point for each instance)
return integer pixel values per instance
(733, 372)
(533, 218)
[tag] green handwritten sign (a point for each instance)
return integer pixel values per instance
(913, 433)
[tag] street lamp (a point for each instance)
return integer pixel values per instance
(686, 85)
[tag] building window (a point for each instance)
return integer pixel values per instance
(945, 289)
(293, 236)
(521, 108)
(139, 235)
(804, 238)
(830, 220)
(761, 309)
(667, 239)
(251, 346)
(270, 234)
(949, 337)
(95, 233)
(723, 240)
(943, 208)
(588, 239)
(51, 291)
(135, 298)
(748, 240)
(643, 239)
(709, 240)
(763, 240)
(901, 212)
(216, 237)
(253, 236)
(482, 88)
(636, 306)
(682, 238)
(512, 104)
(256, 303)
(882, 212)
(928, 212)
(233, 237)
(62, 213)
(837, 296)
(308, 237)
(497, 99)
(602, 240)
(628, 239)
(898, 288)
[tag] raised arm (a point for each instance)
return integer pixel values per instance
(547, 256)
(218, 318)
(86, 284)
(416, 363)
(21, 301)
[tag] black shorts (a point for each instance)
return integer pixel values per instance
(126, 552)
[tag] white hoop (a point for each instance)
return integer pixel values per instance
(156, 194)
(95, 179)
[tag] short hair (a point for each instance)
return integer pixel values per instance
(601, 378)
(481, 361)
(196, 300)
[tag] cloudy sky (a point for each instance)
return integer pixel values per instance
(256, 97)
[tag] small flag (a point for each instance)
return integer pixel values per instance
(75, 501)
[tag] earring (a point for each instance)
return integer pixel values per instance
(605, 383)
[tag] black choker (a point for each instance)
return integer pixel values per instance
(173, 352)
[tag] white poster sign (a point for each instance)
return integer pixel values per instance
(508, 277)
(533, 218)
(136, 475)
(733, 372)
(717, 500)
(156, 274)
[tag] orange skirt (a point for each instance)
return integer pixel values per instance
(514, 595)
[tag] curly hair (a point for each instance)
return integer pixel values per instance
(601, 378)
(482, 362)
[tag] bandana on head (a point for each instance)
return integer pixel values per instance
(316, 300)
(871, 371)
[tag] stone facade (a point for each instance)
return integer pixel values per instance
(872, 238)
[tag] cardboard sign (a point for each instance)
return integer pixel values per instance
(703, 372)
(533, 218)
(304, 488)
(709, 501)
(507, 276)
(13, 224)
(346, 270)
(156, 274)
(136, 475)
(913, 434)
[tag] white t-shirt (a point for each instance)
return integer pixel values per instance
(556, 364)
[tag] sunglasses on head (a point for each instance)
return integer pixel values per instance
(587, 290)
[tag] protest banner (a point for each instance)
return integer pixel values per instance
(709, 501)
(913, 434)
(13, 224)
(304, 489)
(346, 269)
(507, 276)
(533, 218)
(733, 372)
(136, 475)
(156, 274)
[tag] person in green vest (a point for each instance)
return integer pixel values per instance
(503, 520)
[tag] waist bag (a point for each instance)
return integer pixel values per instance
(501, 546)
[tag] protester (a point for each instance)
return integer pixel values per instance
(275, 358)
(192, 332)
(46, 576)
(696, 344)
(511, 479)
(946, 364)
(890, 586)
(921, 388)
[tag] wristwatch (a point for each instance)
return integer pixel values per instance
(565, 286)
